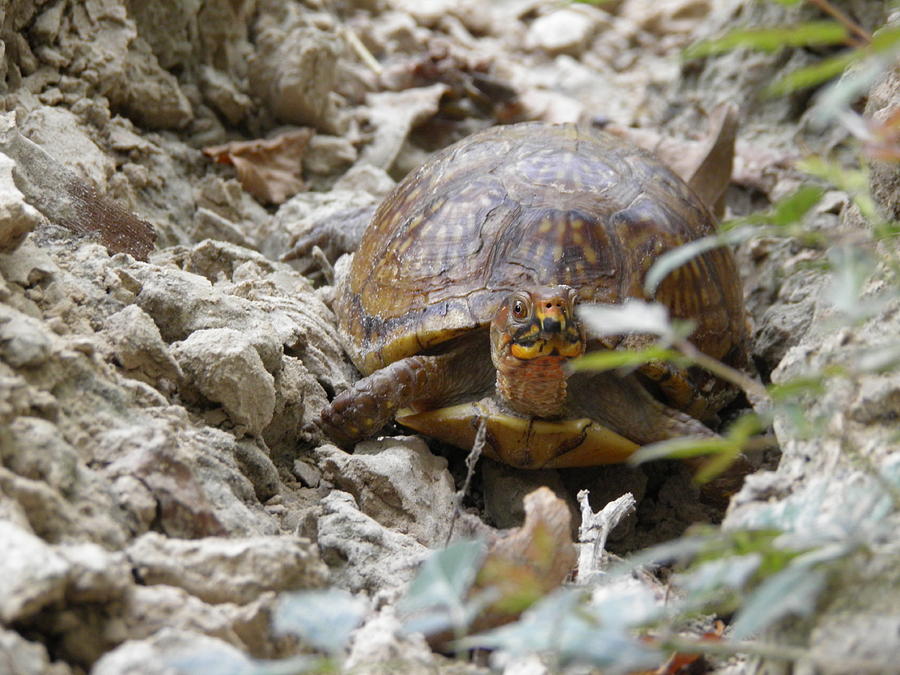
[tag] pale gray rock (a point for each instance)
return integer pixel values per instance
(148, 609)
(24, 341)
(95, 574)
(20, 657)
(326, 155)
(138, 345)
(381, 640)
(295, 72)
(394, 114)
(363, 555)
(225, 367)
(17, 217)
(171, 652)
(884, 176)
(228, 570)
(824, 488)
(28, 265)
(274, 307)
(62, 134)
(34, 575)
(86, 511)
(399, 483)
(298, 400)
(192, 474)
(331, 218)
(122, 67)
(564, 31)
(34, 448)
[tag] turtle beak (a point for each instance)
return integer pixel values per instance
(558, 328)
(553, 329)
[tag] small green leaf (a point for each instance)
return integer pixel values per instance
(322, 619)
(851, 268)
(680, 448)
(675, 258)
(813, 75)
(711, 576)
(445, 577)
(791, 209)
(813, 384)
(793, 591)
(772, 39)
(610, 360)
(853, 182)
(576, 632)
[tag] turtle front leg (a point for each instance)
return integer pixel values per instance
(425, 381)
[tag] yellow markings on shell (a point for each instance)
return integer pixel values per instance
(413, 195)
(577, 238)
(545, 226)
(414, 223)
(576, 223)
(558, 252)
(405, 244)
(590, 255)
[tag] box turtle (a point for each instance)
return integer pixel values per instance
(459, 305)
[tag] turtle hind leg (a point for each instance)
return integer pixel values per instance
(624, 405)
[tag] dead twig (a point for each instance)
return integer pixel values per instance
(595, 529)
(471, 461)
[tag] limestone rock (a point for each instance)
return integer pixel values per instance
(21, 657)
(382, 640)
(564, 31)
(17, 217)
(95, 575)
(192, 475)
(155, 655)
(138, 345)
(228, 570)
(24, 341)
(34, 575)
(884, 176)
(399, 483)
(295, 72)
(224, 366)
(362, 554)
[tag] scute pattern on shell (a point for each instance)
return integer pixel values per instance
(525, 205)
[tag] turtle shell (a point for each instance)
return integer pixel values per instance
(521, 206)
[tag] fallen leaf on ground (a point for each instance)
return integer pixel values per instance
(269, 169)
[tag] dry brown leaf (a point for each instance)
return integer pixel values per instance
(269, 169)
(530, 561)
(523, 566)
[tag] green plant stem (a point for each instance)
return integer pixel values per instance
(770, 651)
(862, 36)
(755, 391)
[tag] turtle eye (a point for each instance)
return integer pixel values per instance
(519, 309)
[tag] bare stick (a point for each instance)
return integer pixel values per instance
(595, 529)
(471, 461)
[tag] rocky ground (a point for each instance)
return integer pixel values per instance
(161, 477)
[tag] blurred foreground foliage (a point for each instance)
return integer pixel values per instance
(778, 566)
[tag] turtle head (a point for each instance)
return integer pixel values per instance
(533, 334)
